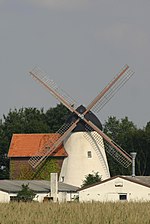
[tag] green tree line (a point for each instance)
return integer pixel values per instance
(131, 139)
(32, 120)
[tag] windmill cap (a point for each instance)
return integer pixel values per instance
(81, 126)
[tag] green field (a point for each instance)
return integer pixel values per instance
(75, 213)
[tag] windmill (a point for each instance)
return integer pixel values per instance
(82, 133)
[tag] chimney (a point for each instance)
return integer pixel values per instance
(133, 154)
(54, 186)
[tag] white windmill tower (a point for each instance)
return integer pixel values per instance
(82, 134)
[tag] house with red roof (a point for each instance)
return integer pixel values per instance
(24, 146)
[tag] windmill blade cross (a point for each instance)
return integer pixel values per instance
(96, 104)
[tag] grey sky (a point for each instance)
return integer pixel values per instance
(81, 44)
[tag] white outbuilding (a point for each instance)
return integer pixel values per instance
(117, 188)
(42, 189)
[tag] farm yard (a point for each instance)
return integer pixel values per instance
(75, 213)
(77, 160)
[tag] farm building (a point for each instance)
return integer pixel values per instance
(23, 147)
(42, 189)
(118, 188)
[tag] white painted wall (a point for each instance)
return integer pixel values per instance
(62, 196)
(4, 197)
(77, 164)
(67, 196)
(40, 197)
(110, 191)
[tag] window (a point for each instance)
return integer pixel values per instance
(62, 179)
(89, 154)
(118, 184)
(122, 197)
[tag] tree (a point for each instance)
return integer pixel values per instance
(26, 194)
(91, 178)
(123, 133)
(141, 143)
(25, 120)
(56, 117)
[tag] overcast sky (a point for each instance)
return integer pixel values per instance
(81, 45)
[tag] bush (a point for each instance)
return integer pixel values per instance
(91, 179)
(26, 194)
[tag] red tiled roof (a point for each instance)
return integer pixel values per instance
(27, 145)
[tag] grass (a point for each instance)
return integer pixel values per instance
(75, 213)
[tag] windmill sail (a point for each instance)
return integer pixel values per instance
(51, 145)
(56, 91)
(119, 157)
(110, 146)
(111, 89)
(98, 146)
(97, 104)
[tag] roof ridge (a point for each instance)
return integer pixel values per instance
(27, 145)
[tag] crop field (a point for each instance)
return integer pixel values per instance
(75, 213)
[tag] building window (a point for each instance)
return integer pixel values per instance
(62, 179)
(89, 154)
(118, 184)
(122, 197)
